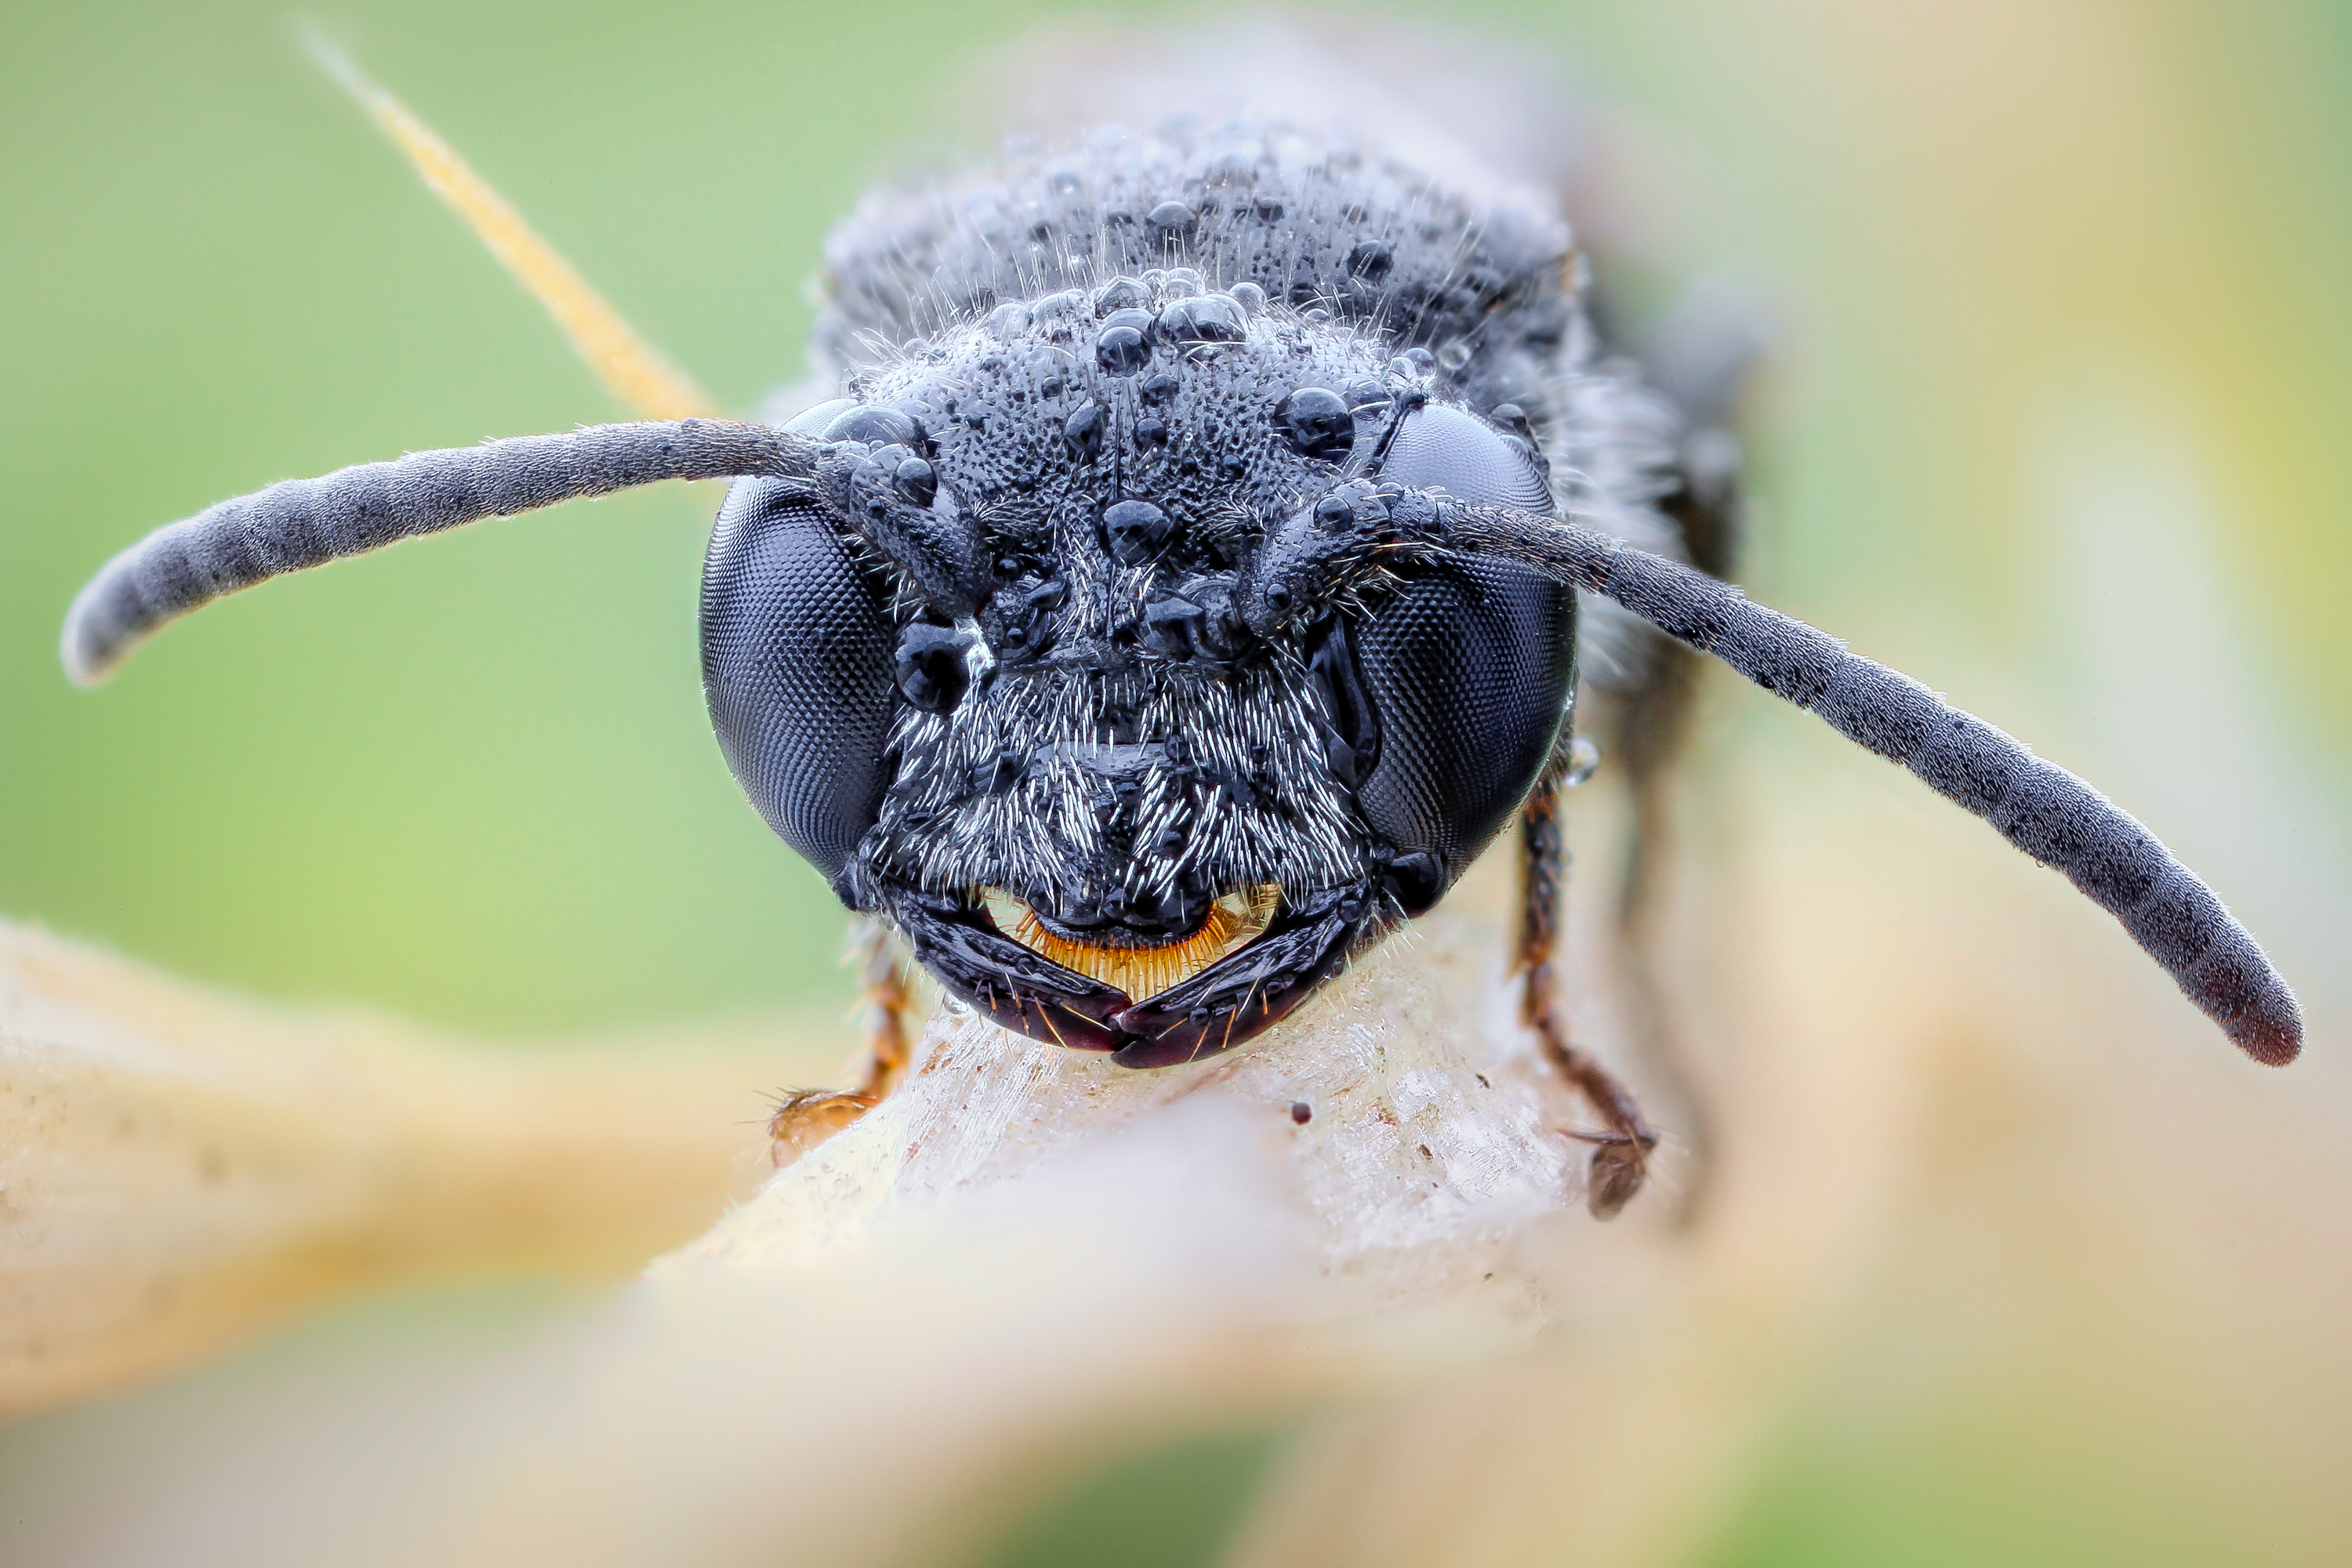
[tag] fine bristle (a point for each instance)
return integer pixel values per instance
(632, 369)
(1143, 972)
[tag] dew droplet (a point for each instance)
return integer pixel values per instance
(1122, 349)
(1370, 260)
(1122, 294)
(1455, 356)
(918, 481)
(1170, 219)
(1084, 431)
(1203, 320)
(1008, 321)
(1133, 530)
(1316, 423)
(1583, 757)
(874, 427)
(1414, 364)
(1069, 305)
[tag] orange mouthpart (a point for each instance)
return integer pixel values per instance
(1234, 920)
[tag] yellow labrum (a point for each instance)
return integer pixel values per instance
(1234, 920)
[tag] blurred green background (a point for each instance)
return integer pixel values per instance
(471, 781)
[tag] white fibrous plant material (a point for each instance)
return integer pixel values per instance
(1430, 1135)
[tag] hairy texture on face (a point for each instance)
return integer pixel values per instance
(1481, 274)
(1242, 798)
(1093, 765)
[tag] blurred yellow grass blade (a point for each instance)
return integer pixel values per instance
(181, 1171)
(632, 369)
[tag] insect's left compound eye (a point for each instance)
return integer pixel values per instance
(799, 667)
(1466, 672)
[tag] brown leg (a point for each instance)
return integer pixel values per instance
(1621, 1154)
(811, 1116)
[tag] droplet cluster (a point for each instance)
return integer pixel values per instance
(1104, 738)
(1262, 212)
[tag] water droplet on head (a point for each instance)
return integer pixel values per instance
(1122, 348)
(1370, 261)
(1316, 423)
(1122, 294)
(1171, 219)
(1202, 320)
(1133, 530)
(918, 481)
(1455, 356)
(875, 426)
(1008, 321)
(1084, 431)
(1414, 364)
(1249, 297)
(1068, 305)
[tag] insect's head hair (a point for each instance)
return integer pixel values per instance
(1089, 727)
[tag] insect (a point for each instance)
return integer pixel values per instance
(1192, 578)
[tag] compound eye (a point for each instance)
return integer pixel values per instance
(1469, 669)
(799, 669)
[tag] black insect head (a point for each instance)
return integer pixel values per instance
(1015, 705)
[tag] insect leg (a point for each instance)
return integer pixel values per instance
(1621, 1156)
(808, 1118)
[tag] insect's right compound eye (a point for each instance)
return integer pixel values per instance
(798, 668)
(1466, 672)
